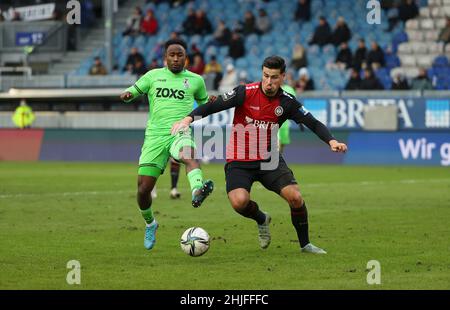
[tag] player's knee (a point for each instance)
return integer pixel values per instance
(239, 202)
(295, 199)
(144, 189)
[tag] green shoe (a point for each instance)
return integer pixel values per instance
(200, 195)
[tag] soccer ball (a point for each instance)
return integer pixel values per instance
(195, 241)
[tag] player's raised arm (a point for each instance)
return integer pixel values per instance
(223, 102)
(303, 116)
(139, 88)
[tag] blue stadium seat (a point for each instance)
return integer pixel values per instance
(440, 61)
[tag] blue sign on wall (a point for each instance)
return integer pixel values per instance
(413, 113)
(29, 38)
(398, 148)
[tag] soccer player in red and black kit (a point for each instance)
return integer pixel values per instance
(260, 109)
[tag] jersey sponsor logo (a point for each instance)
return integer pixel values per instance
(162, 80)
(252, 87)
(264, 124)
(186, 83)
(279, 111)
(228, 95)
(169, 93)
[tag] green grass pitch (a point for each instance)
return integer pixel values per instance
(51, 213)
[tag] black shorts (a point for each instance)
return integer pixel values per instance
(243, 174)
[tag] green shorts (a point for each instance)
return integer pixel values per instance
(157, 150)
(284, 134)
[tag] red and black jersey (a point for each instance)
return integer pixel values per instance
(256, 117)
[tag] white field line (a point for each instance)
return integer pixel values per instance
(257, 186)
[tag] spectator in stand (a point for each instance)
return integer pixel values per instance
(341, 32)
(116, 70)
(13, 15)
(194, 51)
(386, 5)
(202, 25)
(154, 64)
(198, 65)
(370, 81)
(134, 23)
(263, 23)
(444, 35)
(189, 23)
(299, 58)
(222, 35)
(289, 80)
(149, 25)
(304, 82)
(407, 10)
(322, 33)
(360, 55)
(354, 82)
(303, 11)
(243, 78)
(133, 58)
(375, 58)
(98, 68)
(399, 83)
(213, 72)
(229, 80)
(236, 48)
(421, 82)
(139, 68)
(249, 25)
(343, 58)
(403, 10)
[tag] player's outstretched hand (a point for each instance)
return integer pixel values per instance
(182, 125)
(336, 146)
(126, 96)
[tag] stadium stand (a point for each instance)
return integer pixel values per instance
(407, 47)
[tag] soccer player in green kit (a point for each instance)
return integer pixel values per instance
(171, 92)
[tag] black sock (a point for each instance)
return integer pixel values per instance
(299, 217)
(174, 173)
(252, 211)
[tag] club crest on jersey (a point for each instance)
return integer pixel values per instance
(279, 111)
(186, 83)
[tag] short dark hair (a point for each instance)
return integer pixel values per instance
(175, 41)
(275, 62)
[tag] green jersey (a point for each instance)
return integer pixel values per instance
(171, 97)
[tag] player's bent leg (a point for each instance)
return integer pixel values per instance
(200, 189)
(145, 186)
(241, 203)
(299, 218)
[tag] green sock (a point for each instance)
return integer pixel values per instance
(148, 215)
(195, 178)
